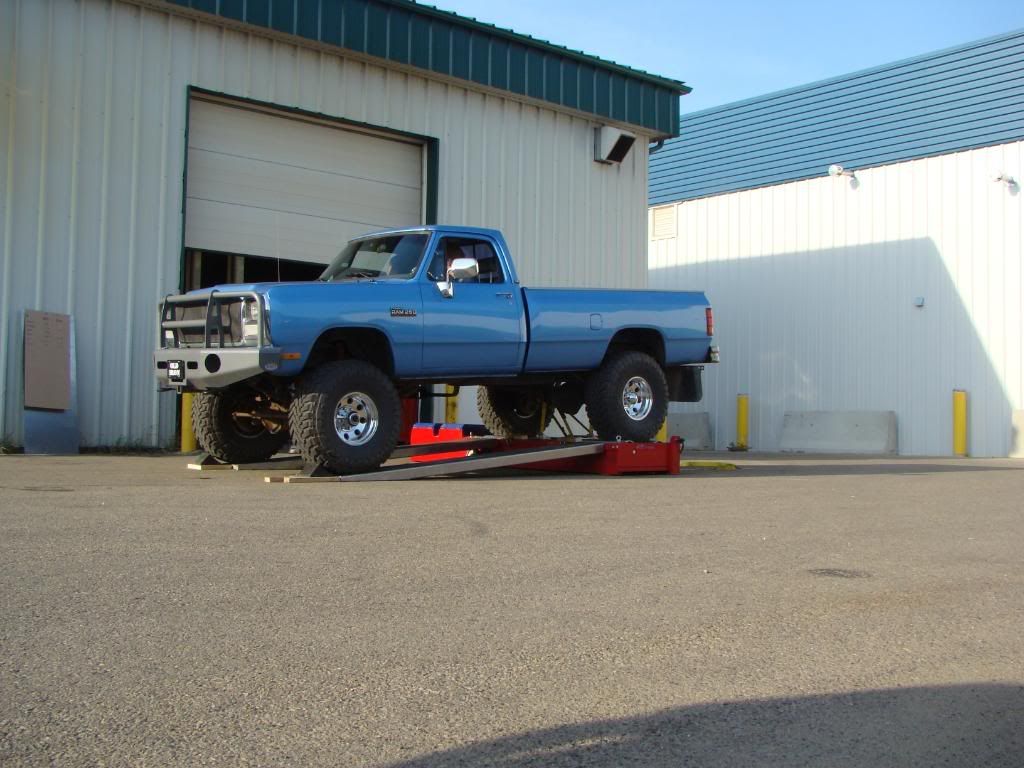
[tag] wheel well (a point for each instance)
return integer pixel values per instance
(640, 340)
(367, 344)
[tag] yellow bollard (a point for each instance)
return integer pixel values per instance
(188, 437)
(662, 436)
(959, 422)
(451, 405)
(742, 422)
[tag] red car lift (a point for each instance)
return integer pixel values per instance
(442, 450)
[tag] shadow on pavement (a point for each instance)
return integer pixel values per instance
(801, 467)
(962, 725)
(795, 467)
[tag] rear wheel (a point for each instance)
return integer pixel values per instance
(346, 416)
(234, 425)
(514, 412)
(627, 397)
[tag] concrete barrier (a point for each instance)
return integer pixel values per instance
(694, 428)
(839, 432)
(1017, 436)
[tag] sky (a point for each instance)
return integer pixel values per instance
(732, 50)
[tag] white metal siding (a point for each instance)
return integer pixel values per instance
(93, 130)
(813, 285)
(266, 185)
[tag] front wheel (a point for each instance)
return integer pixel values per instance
(627, 397)
(234, 426)
(345, 417)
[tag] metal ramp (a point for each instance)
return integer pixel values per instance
(506, 456)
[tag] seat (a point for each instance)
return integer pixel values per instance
(401, 265)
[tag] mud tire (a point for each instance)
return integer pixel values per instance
(514, 412)
(318, 398)
(228, 438)
(605, 391)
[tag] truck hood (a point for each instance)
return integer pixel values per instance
(267, 287)
(257, 287)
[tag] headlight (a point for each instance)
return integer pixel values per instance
(169, 340)
(250, 321)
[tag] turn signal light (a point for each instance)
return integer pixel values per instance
(710, 318)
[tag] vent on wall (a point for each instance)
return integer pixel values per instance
(663, 225)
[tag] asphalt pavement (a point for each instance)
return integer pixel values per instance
(796, 612)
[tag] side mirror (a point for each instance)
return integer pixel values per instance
(463, 268)
(460, 269)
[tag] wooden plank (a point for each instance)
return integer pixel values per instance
(304, 479)
(283, 464)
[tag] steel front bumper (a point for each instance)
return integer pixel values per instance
(214, 367)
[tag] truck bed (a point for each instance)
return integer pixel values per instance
(570, 328)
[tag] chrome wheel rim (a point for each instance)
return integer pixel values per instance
(356, 418)
(637, 398)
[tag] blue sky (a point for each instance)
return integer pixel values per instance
(733, 50)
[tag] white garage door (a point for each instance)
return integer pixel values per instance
(266, 185)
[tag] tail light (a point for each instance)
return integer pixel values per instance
(710, 318)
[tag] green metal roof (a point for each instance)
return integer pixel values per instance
(427, 38)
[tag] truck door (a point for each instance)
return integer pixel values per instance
(480, 328)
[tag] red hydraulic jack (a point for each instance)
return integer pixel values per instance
(595, 457)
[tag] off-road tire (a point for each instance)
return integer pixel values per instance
(514, 412)
(311, 417)
(228, 439)
(603, 393)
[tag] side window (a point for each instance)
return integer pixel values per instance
(490, 265)
(451, 248)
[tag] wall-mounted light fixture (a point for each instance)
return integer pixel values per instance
(611, 145)
(838, 170)
(1008, 180)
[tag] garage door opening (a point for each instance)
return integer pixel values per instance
(204, 269)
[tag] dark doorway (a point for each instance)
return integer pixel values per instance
(206, 268)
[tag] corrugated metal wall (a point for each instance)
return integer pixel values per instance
(93, 131)
(813, 285)
(963, 97)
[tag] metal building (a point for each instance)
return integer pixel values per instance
(881, 291)
(152, 145)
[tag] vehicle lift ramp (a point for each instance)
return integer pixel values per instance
(434, 453)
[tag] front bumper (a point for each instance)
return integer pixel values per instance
(214, 367)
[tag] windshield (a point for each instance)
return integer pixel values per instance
(395, 257)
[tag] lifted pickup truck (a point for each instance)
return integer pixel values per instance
(328, 361)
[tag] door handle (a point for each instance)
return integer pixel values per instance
(504, 295)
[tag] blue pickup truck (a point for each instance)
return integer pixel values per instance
(327, 362)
